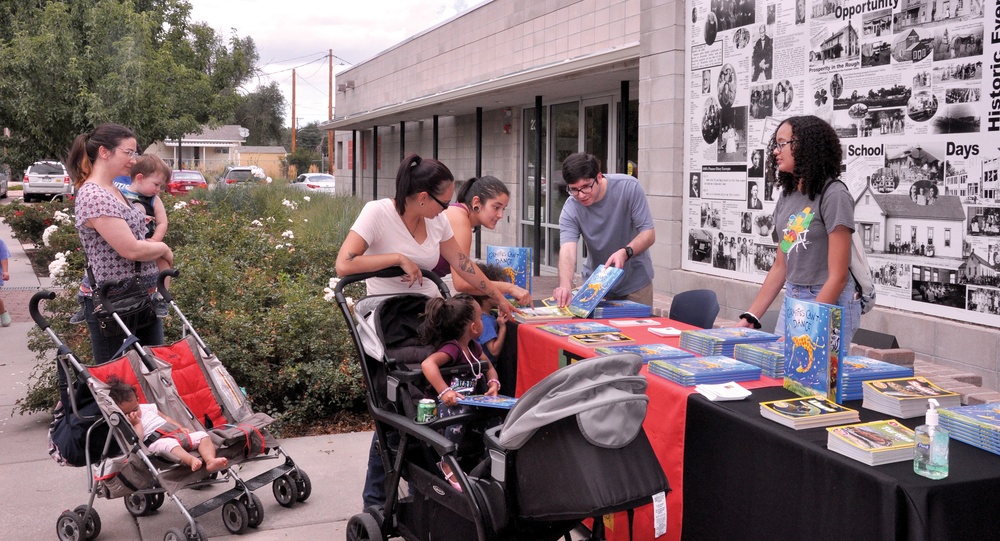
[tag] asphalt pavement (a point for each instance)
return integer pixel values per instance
(36, 490)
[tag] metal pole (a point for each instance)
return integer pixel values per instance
(374, 163)
(435, 152)
(479, 168)
(329, 133)
(623, 131)
(354, 163)
(402, 139)
(537, 250)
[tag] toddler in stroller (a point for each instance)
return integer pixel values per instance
(163, 434)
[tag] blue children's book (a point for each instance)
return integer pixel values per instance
(812, 349)
(648, 352)
(697, 370)
(596, 287)
(481, 400)
(571, 329)
(516, 262)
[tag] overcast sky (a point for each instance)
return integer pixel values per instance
(299, 34)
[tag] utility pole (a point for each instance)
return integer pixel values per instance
(329, 133)
(293, 110)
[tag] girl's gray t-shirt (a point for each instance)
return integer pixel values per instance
(803, 234)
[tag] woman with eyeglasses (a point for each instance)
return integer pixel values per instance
(480, 203)
(814, 245)
(112, 231)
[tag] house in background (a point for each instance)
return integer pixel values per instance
(214, 148)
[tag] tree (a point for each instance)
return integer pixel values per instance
(262, 112)
(67, 68)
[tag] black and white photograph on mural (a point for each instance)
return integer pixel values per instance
(706, 81)
(907, 88)
(694, 187)
(700, 245)
(711, 28)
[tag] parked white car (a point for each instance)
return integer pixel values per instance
(46, 179)
(315, 182)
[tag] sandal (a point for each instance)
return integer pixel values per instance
(449, 475)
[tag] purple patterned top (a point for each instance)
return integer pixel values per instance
(92, 201)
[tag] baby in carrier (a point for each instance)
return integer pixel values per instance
(452, 326)
(163, 434)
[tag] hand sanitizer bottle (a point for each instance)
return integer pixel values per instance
(930, 454)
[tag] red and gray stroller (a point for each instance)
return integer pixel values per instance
(187, 383)
(571, 449)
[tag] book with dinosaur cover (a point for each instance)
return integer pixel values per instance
(515, 261)
(905, 398)
(596, 287)
(648, 352)
(807, 412)
(600, 338)
(812, 348)
(582, 327)
(875, 443)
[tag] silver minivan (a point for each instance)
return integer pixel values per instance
(46, 180)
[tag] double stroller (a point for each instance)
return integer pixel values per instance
(187, 383)
(571, 449)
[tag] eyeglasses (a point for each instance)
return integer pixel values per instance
(439, 202)
(781, 146)
(583, 190)
(128, 152)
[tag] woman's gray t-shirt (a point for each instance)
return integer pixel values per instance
(804, 234)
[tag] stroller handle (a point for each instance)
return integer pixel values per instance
(161, 285)
(33, 307)
(390, 272)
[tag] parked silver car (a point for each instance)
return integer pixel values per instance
(315, 182)
(46, 179)
(4, 180)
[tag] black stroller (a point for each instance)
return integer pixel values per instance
(92, 431)
(571, 449)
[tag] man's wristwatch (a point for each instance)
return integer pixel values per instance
(628, 252)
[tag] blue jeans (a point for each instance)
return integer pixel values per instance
(104, 347)
(850, 315)
(374, 491)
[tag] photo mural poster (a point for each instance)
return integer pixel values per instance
(912, 88)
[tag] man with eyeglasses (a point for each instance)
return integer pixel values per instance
(610, 213)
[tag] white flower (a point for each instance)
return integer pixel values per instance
(48, 233)
(328, 294)
(306, 198)
(279, 246)
(270, 219)
(288, 234)
(290, 204)
(58, 265)
(62, 218)
(333, 282)
(180, 205)
(306, 220)
(268, 180)
(257, 223)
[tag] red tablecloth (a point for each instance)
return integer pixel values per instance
(540, 353)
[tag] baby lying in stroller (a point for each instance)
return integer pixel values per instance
(452, 326)
(163, 434)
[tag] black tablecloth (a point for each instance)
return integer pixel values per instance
(748, 478)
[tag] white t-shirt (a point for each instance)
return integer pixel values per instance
(151, 419)
(384, 231)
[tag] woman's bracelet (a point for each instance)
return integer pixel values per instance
(446, 389)
(492, 381)
(751, 319)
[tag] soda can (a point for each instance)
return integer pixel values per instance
(426, 410)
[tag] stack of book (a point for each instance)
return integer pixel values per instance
(978, 425)
(609, 309)
(807, 412)
(698, 370)
(905, 397)
(591, 340)
(542, 313)
(722, 341)
(769, 356)
(582, 327)
(875, 443)
(857, 369)
(648, 352)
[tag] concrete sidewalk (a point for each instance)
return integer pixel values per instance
(36, 490)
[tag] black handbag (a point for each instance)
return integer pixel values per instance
(131, 302)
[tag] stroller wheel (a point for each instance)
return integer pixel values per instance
(255, 510)
(234, 516)
(362, 527)
(92, 526)
(139, 505)
(198, 535)
(285, 491)
(304, 485)
(157, 501)
(70, 527)
(175, 534)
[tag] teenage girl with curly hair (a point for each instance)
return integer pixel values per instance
(814, 245)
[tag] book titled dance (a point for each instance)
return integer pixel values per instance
(515, 261)
(600, 338)
(875, 443)
(597, 286)
(807, 412)
(480, 400)
(813, 349)
(570, 329)
(648, 352)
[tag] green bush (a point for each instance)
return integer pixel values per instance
(253, 264)
(28, 222)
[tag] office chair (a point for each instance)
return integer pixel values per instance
(697, 307)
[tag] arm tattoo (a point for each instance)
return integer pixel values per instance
(483, 286)
(465, 264)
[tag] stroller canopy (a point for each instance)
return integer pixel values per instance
(606, 394)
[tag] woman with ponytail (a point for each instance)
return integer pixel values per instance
(112, 232)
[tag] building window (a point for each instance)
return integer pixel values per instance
(947, 237)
